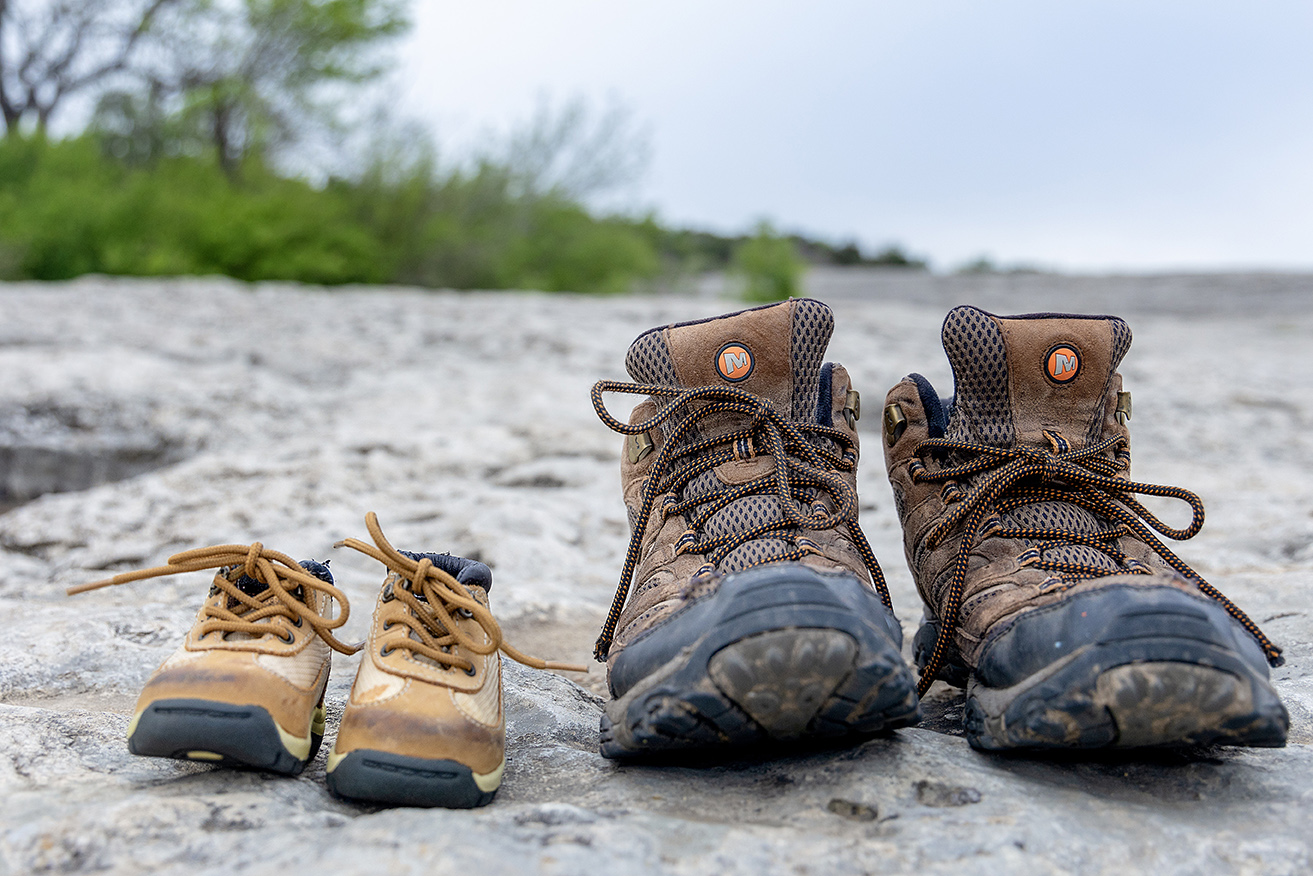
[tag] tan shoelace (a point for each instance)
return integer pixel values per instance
(242, 613)
(1081, 477)
(803, 469)
(432, 596)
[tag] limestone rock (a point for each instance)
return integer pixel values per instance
(283, 414)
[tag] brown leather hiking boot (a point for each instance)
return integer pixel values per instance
(750, 608)
(246, 687)
(424, 725)
(1046, 592)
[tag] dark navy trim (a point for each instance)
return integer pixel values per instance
(466, 571)
(825, 401)
(935, 413)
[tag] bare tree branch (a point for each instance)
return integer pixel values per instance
(52, 49)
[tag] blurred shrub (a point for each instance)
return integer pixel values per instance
(66, 209)
(69, 208)
(769, 266)
(480, 229)
(146, 200)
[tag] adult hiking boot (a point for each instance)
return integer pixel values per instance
(424, 724)
(1047, 593)
(246, 687)
(750, 608)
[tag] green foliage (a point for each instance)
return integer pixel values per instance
(479, 229)
(769, 266)
(69, 208)
(894, 257)
(979, 265)
(850, 255)
(199, 100)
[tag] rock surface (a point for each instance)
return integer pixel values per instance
(283, 414)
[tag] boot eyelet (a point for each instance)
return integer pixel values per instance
(289, 638)
(385, 650)
(300, 621)
(387, 625)
(471, 672)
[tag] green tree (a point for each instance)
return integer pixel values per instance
(248, 77)
(52, 50)
(769, 266)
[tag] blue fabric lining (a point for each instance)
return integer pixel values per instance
(935, 412)
(824, 401)
(466, 571)
(319, 570)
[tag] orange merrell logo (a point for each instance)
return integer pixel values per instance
(1062, 364)
(734, 362)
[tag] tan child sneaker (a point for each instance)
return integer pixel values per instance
(246, 687)
(424, 725)
(1047, 593)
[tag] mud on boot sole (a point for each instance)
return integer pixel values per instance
(222, 734)
(1123, 667)
(753, 678)
(399, 780)
(1136, 705)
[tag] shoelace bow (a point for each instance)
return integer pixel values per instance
(1080, 477)
(433, 597)
(803, 468)
(241, 612)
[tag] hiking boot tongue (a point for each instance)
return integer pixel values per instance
(1018, 376)
(774, 352)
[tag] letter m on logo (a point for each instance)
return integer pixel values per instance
(1062, 364)
(735, 361)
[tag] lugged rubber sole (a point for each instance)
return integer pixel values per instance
(398, 780)
(755, 679)
(1125, 665)
(1097, 699)
(223, 734)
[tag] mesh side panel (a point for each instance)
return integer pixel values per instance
(701, 485)
(1121, 341)
(1062, 516)
(900, 500)
(974, 345)
(1053, 515)
(813, 323)
(746, 513)
(649, 360)
(754, 553)
(1082, 555)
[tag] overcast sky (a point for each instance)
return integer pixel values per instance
(1093, 136)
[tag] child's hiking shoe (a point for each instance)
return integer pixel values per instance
(424, 725)
(246, 688)
(1046, 592)
(750, 609)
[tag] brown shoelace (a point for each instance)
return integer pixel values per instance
(803, 469)
(433, 596)
(1080, 477)
(243, 613)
